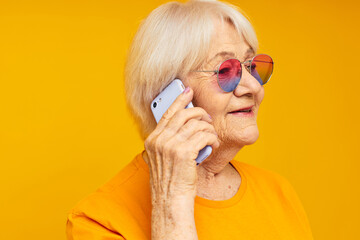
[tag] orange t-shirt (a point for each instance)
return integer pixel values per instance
(265, 207)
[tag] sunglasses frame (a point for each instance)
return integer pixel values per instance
(241, 63)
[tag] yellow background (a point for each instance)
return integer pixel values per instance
(64, 128)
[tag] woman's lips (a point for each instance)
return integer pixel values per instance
(244, 112)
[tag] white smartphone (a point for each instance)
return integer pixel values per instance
(164, 100)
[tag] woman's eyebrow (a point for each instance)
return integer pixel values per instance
(248, 53)
(222, 54)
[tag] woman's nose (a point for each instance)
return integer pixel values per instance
(247, 84)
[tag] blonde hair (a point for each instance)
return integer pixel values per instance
(172, 41)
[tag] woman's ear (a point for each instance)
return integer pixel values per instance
(186, 79)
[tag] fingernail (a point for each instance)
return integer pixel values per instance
(187, 89)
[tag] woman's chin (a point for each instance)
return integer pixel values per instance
(247, 136)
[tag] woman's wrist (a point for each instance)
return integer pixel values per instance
(173, 219)
(173, 198)
(177, 209)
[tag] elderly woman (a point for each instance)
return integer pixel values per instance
(163, 193)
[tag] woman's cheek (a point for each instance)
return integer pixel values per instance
(260, 96)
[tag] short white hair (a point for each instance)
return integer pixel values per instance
(172, 41)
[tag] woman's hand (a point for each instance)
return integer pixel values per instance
(171, 151)
(174, 145)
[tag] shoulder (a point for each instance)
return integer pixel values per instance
(272, 188)
(114, 204)
(271, 185)
(127, 182)
(260, 175)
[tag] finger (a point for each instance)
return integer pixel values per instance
(179, 104)
(193, 126)
(199, 140)
(184, 115)
(181, 117)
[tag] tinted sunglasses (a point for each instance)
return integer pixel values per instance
(230, 71)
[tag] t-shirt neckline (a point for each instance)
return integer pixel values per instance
(231, 201)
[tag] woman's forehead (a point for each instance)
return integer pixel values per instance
(227, 42)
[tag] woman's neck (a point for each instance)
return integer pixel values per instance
(217, 179)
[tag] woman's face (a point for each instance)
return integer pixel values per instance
(233, 128)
